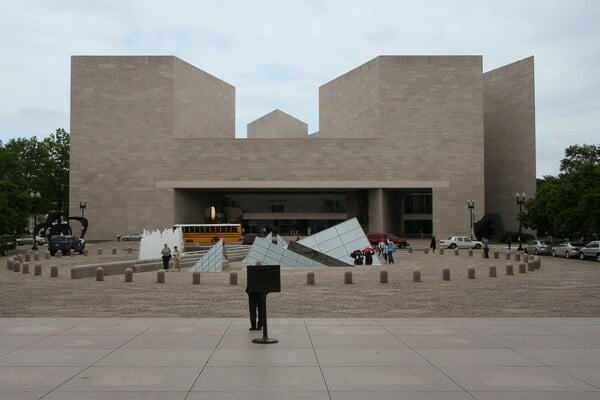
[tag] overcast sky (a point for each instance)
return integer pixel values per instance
(278, 53)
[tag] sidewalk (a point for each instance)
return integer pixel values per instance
(193, 359)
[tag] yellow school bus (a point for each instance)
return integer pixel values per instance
(207, 233)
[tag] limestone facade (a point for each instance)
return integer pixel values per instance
(153, 141)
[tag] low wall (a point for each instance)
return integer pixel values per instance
(119, 267)
(110, 268)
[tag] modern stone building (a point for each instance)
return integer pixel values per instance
(404, 142)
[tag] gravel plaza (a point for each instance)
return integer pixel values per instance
(532, 335)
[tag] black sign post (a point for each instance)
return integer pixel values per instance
(264, 279)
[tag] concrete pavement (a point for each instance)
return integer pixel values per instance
(340, 359)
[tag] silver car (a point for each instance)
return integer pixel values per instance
(539, 247)
(590, 250)
(567, 249)
(132, 236)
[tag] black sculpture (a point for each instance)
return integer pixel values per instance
(55, 226)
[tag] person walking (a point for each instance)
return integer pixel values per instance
(509, 242)
(177, 258)
(166, 256)
(255, 307)
(390, 252)
(432, 244)
(381, 249)
(486, 248)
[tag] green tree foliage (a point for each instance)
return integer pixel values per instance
(28, 165)
(568, 206)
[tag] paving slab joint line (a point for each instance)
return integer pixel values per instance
(318, 362)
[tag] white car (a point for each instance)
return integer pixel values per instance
(460, 242)
(567, 249)
(29, 240)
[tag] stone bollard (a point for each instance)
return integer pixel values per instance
(25, 267)
(410, 250)
(36, 256)
(53, 271)
(196, 278)
(522, 268)
(114, 251)
(17, 266)
(37, 270)
(21, 258)
(348, 277)
(9, 263)
(442, 251)
(446, 274)
(496, 254)
(27, 257)
(509, 269)
(310, 278)
(507, 255)
(531, 265)
(471, 272)
(233, 278)
(128, 275)
(525, 258)
(383, 276)
(129, 250)
(426, 251)
(59, 254)
(160, 276)
(517, 256)
(72, 253)
(470, 253)
(455, 252)
(47, 255)
(85, 252)
(99, 274)
(538, 262)
(417, 275)
(99, 252)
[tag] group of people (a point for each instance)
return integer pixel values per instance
(386, 249)
(167, 255)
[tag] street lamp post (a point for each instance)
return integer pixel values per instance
(471, 207)
(520, 197)
(35, 196)
(82, 205)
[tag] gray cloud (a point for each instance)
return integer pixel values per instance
(277, 53)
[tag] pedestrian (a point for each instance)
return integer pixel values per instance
(390, 251)
(166, 256)
(381, 248)
(255, 306)
(486, 248)
(118, 238)
(177, 258)
(368, 252)
(509, 242)
(432, 244)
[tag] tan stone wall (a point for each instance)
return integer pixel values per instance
(349, 105)
(204, 106)
(393, 123)
(425, 116)
(510, 167)
(277, 125)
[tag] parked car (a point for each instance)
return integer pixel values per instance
(6, 244)
(590, 250)
(29, 240)
(132, 236)
(375, 237)
(66, 244)
(461, 242)
(567, 249)
(538, 247)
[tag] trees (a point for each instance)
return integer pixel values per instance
(28, 165)
(568, 205)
